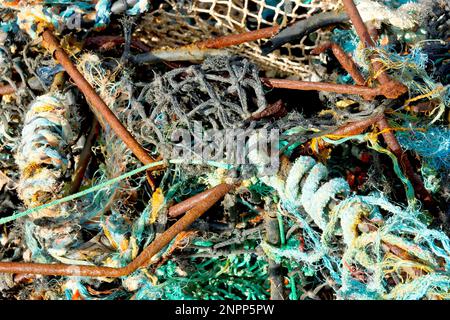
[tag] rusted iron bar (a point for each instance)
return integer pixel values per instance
(321, 86)
(346, 62)
(7, 89)
(276, 109)
(273, 237)
(96, 102)
(180, 208)
(236, 39)
(357, 127)
(199, 50)
(358, 23)
(396, 149)
(391, 89)
(141, 261)
(84, 158)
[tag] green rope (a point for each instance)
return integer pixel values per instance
(105, 184)
(293, 295)
(375, 146)
(408, 186)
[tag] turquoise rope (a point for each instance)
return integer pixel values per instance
(106, 184)
(375, 146)
(408, 186)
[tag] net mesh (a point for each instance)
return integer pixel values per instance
(177, 23)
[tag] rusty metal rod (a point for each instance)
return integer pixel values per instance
(321, 86)
(346, 62)
(276, 109)
(96, 102)
(141, 261)
(358, 23)
(396, 149)
(391, 89)
(357, 127)
(7, 89)
(199, 50)
(180, 208)
(84, 158)
(236, 39)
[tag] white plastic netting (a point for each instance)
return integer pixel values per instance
(177, 23)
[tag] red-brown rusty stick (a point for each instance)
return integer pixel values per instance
(363, 34)
(236, 39)
(358, 23)
(321, 86)
(141, 261)
(180, 208)
(198, 50)
(396, 149)
(346, 62)
(391, 89)
(7, 89)
(354, 128)
(96, 102)
(276, 109)
(84, 158)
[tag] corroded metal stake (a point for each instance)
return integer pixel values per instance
(390, 88)
(180, 208)
(85, 157)
(236, 39)
(96, 102)
(141, 261)
(357, 127)
(7, 89)
(321, 86)
(346, 62)
(394, 146)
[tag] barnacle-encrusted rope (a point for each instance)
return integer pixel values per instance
(42, 155)
(43, 160)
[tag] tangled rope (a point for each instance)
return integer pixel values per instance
(44, 164)
(371, 248)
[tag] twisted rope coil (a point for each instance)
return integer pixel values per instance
(362, 240)
(43, 158)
